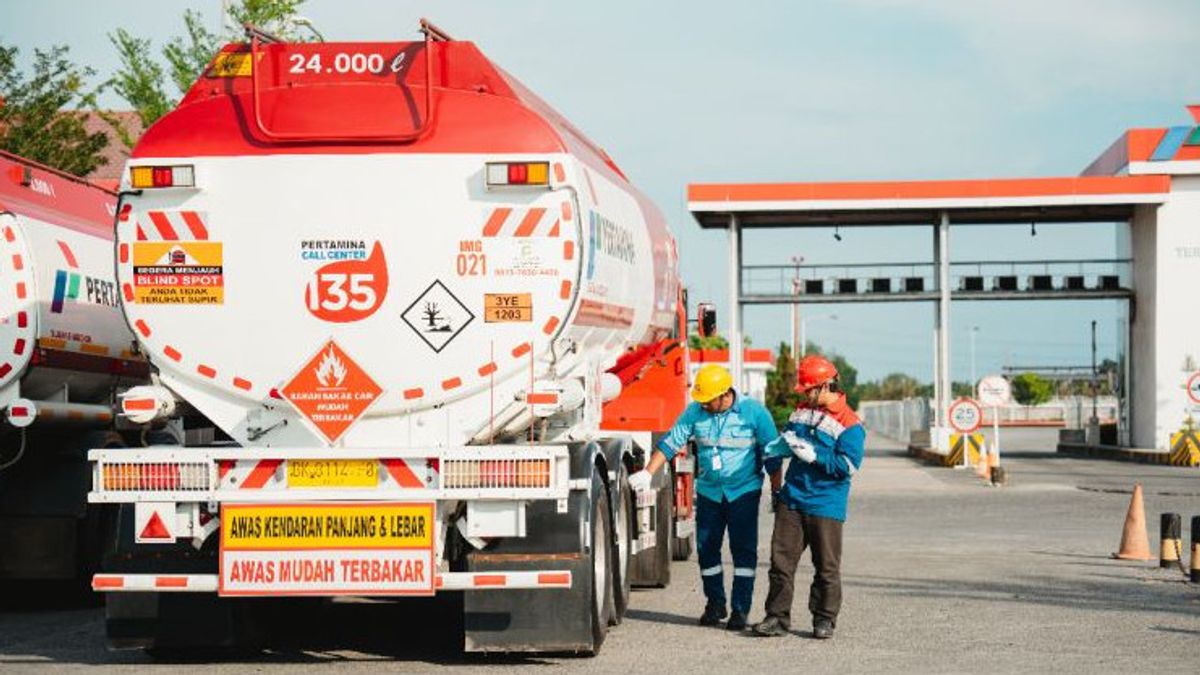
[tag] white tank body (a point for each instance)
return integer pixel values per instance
(62, 332)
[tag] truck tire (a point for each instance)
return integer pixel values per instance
(663, 535)
(681, 547)
(600, 557)
(624, 519)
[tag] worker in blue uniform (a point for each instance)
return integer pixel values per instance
(731, 433)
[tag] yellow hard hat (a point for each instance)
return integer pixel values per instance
(711, 381)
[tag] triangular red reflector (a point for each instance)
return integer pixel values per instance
(155, 528)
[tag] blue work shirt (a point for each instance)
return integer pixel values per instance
(730, 446)
(822, 487)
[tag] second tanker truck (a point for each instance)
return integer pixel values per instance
(418, 330)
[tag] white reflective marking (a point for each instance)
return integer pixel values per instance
(709, 571)
(743, 571)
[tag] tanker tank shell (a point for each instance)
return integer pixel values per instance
(58, 295)
(397, 281)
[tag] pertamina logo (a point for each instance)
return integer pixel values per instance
(347, 290)
(331, 391)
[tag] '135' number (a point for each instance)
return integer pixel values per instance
(336, 291)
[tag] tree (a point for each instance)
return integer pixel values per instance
(1031, 389)
(41, 117)
(141, 79)
(710, 342)
(781, 397)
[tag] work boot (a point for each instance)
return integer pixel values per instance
(712, 616)
(737, 621)
(772, 626)
(822, 628)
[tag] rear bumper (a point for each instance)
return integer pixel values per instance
(448, 581)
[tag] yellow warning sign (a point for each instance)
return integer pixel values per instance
(178, 273)
(260, 527)
(507, 307)
(1185, 448)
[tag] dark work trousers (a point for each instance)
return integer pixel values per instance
(795, 531)
(741, 518)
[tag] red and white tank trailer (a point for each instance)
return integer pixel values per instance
(429, 329)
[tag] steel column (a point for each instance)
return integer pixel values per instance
(942, 387)
(735, 300)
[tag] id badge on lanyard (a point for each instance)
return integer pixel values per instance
(716, 456)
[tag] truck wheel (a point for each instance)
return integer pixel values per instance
(601, 558)
(663, 508)
(623, 526)
(681, 547)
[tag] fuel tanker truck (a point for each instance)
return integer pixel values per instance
(65, 353)
(428, 329)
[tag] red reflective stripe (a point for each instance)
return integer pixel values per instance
(559, 174)
(451, 383)
(139, 404)
(568, 250)
(142, 328)
(17, 263)
(123, 252)
(163, 225)
(495, 222)
(521, 349)
(195, 224)
(8, 235)
(529, 223)
(242, 384)
(550, 325)
(128, 291)
(108, 582)
(564, 291)
(399, 470)
(5, 369)
(68, 254)
(554, 578)
(261, 473)
(18, 411)
(206, 371)
(170, 582)
(554, 229)
(172, 353)
(20, 290)
(22, 319)
(141, 235)
(19, 346)
(410, 394)
(566, 210)
(541, 398)
(489, 580)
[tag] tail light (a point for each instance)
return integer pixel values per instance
(143, 177)
(154, 476)
(518, 173)
(496, 473)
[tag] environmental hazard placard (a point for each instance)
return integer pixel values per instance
(331, 391)
(178, 273)
(327, 549)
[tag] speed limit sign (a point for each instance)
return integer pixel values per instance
(965, 415)
(1193, 388)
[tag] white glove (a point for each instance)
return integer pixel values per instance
(640, 481)
(802, 449)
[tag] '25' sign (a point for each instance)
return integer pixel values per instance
(348, 290)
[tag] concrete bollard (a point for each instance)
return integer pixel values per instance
(1170, 539)
(1196, 549)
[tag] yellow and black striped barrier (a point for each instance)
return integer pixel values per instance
(972, 444)
(1185, 448)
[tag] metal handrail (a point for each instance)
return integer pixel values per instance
(256, 35)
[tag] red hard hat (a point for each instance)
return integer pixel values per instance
(813, 371)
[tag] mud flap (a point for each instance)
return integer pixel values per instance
(550, 620)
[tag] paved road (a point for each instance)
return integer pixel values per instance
(941, 574)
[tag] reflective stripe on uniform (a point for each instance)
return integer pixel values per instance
(725, 442)
(743, 572)
(709, 571)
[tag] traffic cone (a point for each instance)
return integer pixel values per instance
(983, 468)
(1135, 543)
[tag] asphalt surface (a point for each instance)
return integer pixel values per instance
(941, 574)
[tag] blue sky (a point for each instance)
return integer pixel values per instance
(700, 91)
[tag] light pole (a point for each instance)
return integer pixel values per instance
(803, 326)
(974, 330)
(796, 260)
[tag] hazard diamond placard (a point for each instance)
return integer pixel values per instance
(331, 391)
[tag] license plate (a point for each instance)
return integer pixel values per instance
(332, 473)
(327, 549)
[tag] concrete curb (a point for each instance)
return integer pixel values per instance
(1116, 453)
